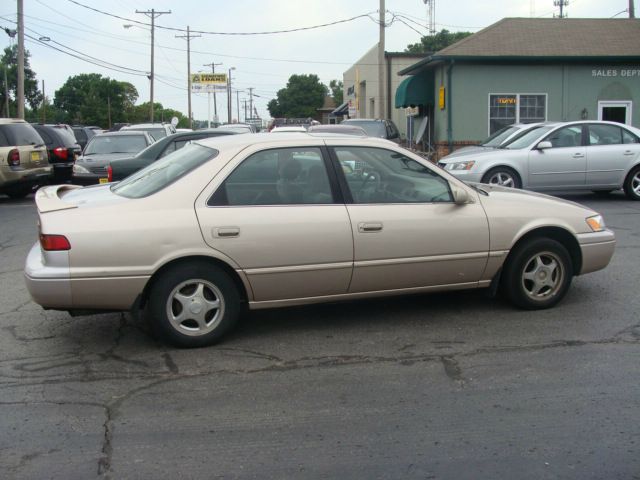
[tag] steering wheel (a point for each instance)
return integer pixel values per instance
(372, 176)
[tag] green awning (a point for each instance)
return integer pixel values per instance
(416, 90)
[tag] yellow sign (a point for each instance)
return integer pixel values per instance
(507, 101)
(441, 102)
(209, 78)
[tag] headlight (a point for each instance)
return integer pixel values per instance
(460, 165)
(80, 169)
(596, 223)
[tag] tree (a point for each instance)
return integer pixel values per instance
(140, 114)
(302, 96)
(336, 87)
(434, 43)
(92, 99)
(32, 95)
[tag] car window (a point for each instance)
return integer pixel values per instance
(604, 134)
(499, 136)
(373, 129)
(628, 137)
(164, 172)
(4, 141)
(376, 175)
(570, 136)
(20, 134)
(45, 136)
(283, 176)
(116, 144)
(525, 139)
(81, 136)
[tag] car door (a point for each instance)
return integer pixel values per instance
(562, 165)
(407, 231)
(610, 152)
(279, 216)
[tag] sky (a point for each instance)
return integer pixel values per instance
(263, 62)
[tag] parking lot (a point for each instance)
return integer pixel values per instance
(456, 385)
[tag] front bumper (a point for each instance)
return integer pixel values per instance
(466, 175)
(597, 250)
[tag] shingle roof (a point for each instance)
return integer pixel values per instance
(551, 37)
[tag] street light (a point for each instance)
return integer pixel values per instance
(229, 95)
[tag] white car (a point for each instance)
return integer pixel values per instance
(585, 155)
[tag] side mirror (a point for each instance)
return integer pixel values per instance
(460, 195)
(544, 145)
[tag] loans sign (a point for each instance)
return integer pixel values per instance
(208, 82)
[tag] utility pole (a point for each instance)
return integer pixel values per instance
(6, 94)
(152, 14)
(20, 93)
(188, 36)
(215, 103)
(44, 105)
(229, 99)
(109, 110)
(561, 4)
(381, 65)
(632, 11)
(238, 104)
(250, 103)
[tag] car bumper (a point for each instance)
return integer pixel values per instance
(597, 249)
(88, 178)
(466, 175)
(15, 177)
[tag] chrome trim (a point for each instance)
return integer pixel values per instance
(297, 268)
(431, 258)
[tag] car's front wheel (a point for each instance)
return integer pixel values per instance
(503, 176)
(632, 184)
(193, 305)
(537, 274)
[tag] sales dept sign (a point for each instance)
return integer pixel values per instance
(615, 72)
(209, 78)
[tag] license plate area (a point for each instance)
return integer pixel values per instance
(36, 156)
(103, 180)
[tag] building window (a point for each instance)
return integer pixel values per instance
(507, 109)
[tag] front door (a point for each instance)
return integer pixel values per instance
(276, 216)
(407, 231)
(563, 165)
(615, 111)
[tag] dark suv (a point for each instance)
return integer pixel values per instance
(62, 149)
(376, 128)
(83, 134)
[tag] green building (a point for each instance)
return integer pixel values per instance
(524, 70)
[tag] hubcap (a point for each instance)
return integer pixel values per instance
(502, 178)
(635, 184)
(542, 276)
(195, 307)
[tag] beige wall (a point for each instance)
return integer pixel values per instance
(365, 71)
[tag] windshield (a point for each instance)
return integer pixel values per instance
(500, 136)
(116, 144)
(373, 129)
(527, 137)
(156, 133)
(165, 171)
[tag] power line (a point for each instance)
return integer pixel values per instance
(204, 32)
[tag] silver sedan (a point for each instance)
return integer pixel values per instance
(598, 156)
(276, 220)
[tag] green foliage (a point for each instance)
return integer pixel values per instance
(434, 43)
(90, 99)
(32, 95)
(302, 96)
(141, 114)
(337, 87)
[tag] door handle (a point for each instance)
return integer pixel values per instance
(578, 155)
(365, 227)
(226, 232)
(629, 152)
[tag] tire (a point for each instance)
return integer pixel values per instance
(503, 176)
(632, 184)
(537, 274)
(212, 296)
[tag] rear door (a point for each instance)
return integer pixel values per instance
(562, 165)
(610, 152)
(278, 214)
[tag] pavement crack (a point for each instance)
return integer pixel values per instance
(171, 365)
(452, 368)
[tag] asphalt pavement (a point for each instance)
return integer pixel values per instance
(441, 386)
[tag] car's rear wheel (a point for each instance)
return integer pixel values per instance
(193, 305)
(632, 184)
(537, 274)
(503, 176)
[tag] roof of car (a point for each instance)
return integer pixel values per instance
(248, 139)
(120, 133)
(7, 121)
(144, 125)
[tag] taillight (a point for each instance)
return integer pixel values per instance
(60, 152)
(109, 173)
(54, 242)
(13, 159)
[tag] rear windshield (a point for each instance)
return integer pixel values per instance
(373, 129)
(116, 144)
(67, 135)
(19, 134)
(164, 172)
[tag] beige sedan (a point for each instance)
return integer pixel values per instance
(277, 220)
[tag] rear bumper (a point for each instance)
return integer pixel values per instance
(15, 177)
(85, 179)
(597, 250)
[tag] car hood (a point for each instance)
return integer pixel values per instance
(101, 159)
(517, 195)
(484, 152)
(474, 149)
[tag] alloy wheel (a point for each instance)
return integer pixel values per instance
(542, 276)
(195, 307)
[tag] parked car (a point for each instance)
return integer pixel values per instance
(273, 220)
(62, 148)
(339, 128)
(498, 138)
(84, 134)
(104, 148)
(156, 130)
(23, 158)
(376, 128)
(288, 129)
(122, 168)
(239, 127)
(588, 155)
